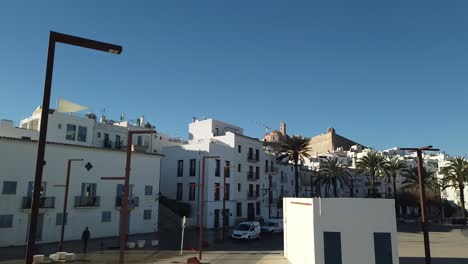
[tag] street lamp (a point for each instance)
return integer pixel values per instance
(65, 199)
(422, 196)
(54, 37)
(124, 208)
(202, 207)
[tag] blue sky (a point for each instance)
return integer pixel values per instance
(384, 73)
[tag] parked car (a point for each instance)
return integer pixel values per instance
(247, 230)
(273, 226)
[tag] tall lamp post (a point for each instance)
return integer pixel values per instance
(54, 37)
(422, 198)
(202, 206)
(65, 199)
(124, 208)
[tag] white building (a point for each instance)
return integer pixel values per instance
(341, 230)
(247, 180)
(92, 202)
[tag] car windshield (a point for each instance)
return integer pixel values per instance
(269, 224)
(243, 227)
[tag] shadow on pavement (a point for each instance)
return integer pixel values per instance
(420, 260)
(433, 227)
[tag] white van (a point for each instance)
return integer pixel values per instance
(247, 230)
(273, 226)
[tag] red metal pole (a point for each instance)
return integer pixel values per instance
(422, 195)
(124, 208)
(202, 207)
(65, 206)
(40, 151)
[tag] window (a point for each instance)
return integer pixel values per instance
(192, 167)
(257, 208)
(99, 134)
(118, 142)
(82, 133)
(227, 191)
(148, 189)
(216, 192)
(266, 165)
(250, 153)
(139, 141)
(106, 216)
(58, 219)
(238, 168)
(257, 190)
(88, 189)
(239, 209)
(146, 214)
(227, 169)
(192, 188)
(9, 187)
(6, 221)
(71, 132)
(257, 172)
(238, 187)
(332, 247)
(59, 126)
(179, 191)
(383, 248)
(251, 190)
(257, 154)
(180, 168)
(239, 148)
(218, 169)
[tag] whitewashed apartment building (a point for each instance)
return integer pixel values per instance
(92, 202)
(247, 180)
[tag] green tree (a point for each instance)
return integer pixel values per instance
(392, 169)
(373, 165)
(411, 181)
(331, 172)
(294, 149)
(456, 175)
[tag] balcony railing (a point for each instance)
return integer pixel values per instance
(87, 201)
(284, 180)
(251, 176)
(251, 196)
(133, 201)
(253, 158)
(44, 202)
(271, 170)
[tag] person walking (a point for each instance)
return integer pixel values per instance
(85, 237)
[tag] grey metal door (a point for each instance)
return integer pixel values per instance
(332, 247)
(383, 248)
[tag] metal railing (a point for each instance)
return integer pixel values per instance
(133, 201)
(253, 158)
(44, 202)
(251, 196)
(251, 176)
(87, 201)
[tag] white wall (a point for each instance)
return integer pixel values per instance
(356, 219)
(18, 164)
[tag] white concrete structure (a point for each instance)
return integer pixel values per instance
(92, 202)
(352, 230)
(247, 183)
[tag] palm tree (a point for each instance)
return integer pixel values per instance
(411, 181)
(394, 167)
(456, 175)
(332, 172)
(294, 149)
(372, 164)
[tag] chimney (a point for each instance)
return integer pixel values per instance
(102, 119)
(283, 128)
(194, 118)
(142, 121)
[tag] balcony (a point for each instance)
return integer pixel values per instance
(87, 201)
(284, 180)
(272, 170)
(253, 158)
(251, 196)
(251, 176)
(44, 202)
(133, 201)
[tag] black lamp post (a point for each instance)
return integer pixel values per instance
(54, 37)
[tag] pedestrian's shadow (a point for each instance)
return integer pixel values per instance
(421, 260)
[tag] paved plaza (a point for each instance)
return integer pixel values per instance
(449, 245)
